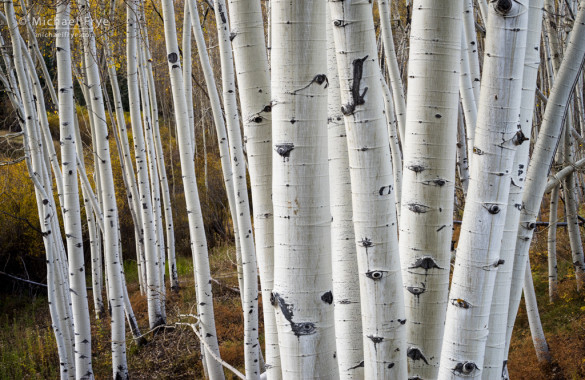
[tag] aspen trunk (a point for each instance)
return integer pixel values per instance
(302, 263)
(430, 142)
(496, 138)
(373, 200)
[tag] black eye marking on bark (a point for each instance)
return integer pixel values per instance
(465, 368)
(284, 150)
(416, 290)
(357, 98)
(173, 57)
(503, 6)
(415, 353)
(391, 365)
(319, 79)
(385, 190)
(340, 23)
(375, 274)
(366, 243)
(416, 168)
(327, 297)
(418, 208)
(376, 339)
(233, 35)
(461, 303)
(425, 263)
(492, 208)
(519, 138)
(477, 151)
(302, 328)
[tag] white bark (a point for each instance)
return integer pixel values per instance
(254, 87)
(249, 291)
(374, 213)
(71, 207)
(153, 292)
(430, 143)
(302, 262)
(346, 287)
(104, 167)
(496, 138)
(542, 156)
(160, 161)
(196, 229)
(393, 69)
(538, 338)
(45, 204)
(494, 362)
(551, 241)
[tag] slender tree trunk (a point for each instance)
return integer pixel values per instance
(495, 355)
(71, 207)
(196, 230)
(393, 69)
(103, 164)
(249, 290)
(153, 292)
(373, 200)
(553, 292)
(346, 286)
(543, 152)
(538, 338)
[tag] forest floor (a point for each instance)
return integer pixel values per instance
(28, 350)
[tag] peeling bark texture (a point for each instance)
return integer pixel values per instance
(495, 353)
(372, 184)
(485, 211)
(196, 230)
(346, 287)
(254, 88)
(430, 141)
(302, 260)
(542, 156)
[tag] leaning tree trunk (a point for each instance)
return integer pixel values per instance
(553, 289)
(430, 142)
(302, 262)
(71, 207)
(496, 138)
(372, 185)
(196, 228)
(495, 357)
(542, 156)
